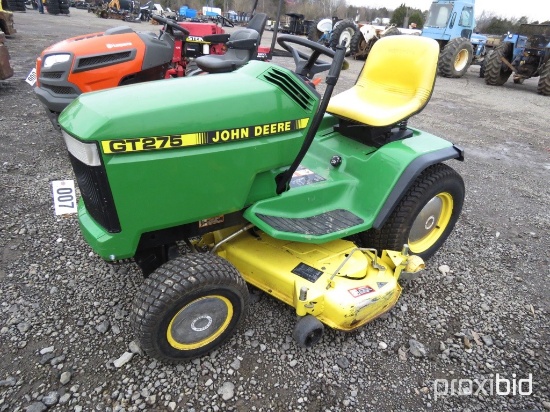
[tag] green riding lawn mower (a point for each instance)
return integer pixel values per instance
(322, 202)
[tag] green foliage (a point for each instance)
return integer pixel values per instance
(418, 18)
(400, 15)
(490, 24)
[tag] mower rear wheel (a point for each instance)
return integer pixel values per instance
(308, 331)
(425, 216)
(188, 307)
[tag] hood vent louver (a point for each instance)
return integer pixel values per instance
(102, 60)
(291, 87)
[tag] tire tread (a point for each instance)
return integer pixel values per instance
(166, 285)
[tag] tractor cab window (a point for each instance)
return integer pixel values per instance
(466, 17)
(439, 15)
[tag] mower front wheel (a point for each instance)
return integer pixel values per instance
(188, 307)
(425, 216)
(308, 331)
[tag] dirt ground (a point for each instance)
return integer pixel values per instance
(56, 293)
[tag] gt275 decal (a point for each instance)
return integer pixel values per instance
(196, 139)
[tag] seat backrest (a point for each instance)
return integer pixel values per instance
(242, 54)
(396, 82)
(258, 22)
(404, 64)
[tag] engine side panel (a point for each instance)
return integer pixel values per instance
(171, 159)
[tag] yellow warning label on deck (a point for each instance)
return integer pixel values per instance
(196, 139)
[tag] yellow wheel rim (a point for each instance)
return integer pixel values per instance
(431, 222)
(461, 59)
(200, 322)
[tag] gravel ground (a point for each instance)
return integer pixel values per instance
(479, 312)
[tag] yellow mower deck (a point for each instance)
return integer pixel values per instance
(342, 286)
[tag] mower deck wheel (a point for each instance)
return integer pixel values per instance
(308, 331)
(189, 306)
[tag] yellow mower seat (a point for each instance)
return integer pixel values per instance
(396, 82)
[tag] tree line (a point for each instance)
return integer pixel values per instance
(488, 23)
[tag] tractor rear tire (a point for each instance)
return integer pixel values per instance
(343, 31)
(359, 47)
(483, 64)
(455, 58)
(424, 217)
(188, 307)
(543, 86)
(314, 34)
(496, 72)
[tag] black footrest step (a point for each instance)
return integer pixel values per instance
(322, 224)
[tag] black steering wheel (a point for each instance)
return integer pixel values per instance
(307, 64)
(225, 21)
(170, 23)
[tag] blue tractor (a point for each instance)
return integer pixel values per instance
(524, 54)
(452, 24)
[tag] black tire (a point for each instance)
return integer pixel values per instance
(308, 331)
(359, 47)
(17, 5)
(543, 86)
(64, 6)
(455, 58)
(343, 31)
(314, 34)
(53, 6)
(483, 64)
(496, 72)
(425, 216)
(20, 5)
(482, 69)
(188, 307)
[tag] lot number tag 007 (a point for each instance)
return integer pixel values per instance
(64, 197)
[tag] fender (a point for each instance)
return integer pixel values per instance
(413, 170)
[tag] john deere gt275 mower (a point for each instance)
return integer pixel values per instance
(265, 182)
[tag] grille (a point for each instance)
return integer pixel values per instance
(96, 193)
(103, 60)
(65, 90)
(51, 75)
(289, 85)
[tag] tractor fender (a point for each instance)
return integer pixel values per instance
(369, 32)
(324, 25)
(409, 175)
